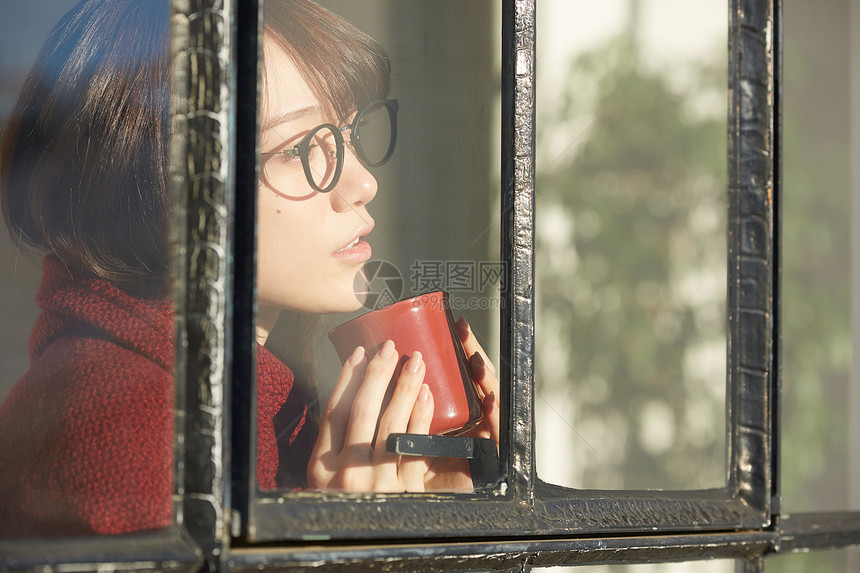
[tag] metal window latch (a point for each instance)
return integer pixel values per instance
(481, 453)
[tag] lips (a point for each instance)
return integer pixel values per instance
(352, 244)
(363, 232)
(357, 250)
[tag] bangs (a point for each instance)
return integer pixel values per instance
(344, 67)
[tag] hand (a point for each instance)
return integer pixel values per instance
(346, 457)
(453, 474)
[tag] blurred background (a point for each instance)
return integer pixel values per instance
(631, 176)
(631, 249)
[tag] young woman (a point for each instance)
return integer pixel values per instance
(86, 436)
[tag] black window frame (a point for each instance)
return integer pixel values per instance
(217, 522)
(527, 505)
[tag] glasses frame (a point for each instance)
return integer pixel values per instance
(392, 106)
(302, 149)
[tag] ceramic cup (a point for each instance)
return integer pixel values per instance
(422, 323)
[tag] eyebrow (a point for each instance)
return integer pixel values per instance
(289, 115)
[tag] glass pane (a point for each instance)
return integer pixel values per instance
(715, 566)
(821, 396)
(377, 187)
(836, 561)
(86, 420)
(631, 244)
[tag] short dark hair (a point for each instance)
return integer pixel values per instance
(342, 65)
(83, 157)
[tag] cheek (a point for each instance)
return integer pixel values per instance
(280, 234)
(290, 237)
(281, 256)
(295, 269)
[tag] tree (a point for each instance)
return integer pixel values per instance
(631, 274)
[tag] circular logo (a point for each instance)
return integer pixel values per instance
(378, 284)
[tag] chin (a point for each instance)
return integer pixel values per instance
(360, 299)
(353, 302)
(347, 301)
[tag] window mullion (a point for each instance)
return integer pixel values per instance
(829, 530)
(249, 22)
(518, 117)
(199, 181)
(751, 247)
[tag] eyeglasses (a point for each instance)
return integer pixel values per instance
(373, 134)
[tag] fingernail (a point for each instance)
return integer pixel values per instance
(462, 329)
(489, 401)
(414, 364)
(357, 356)
(387, 350)
(476, 365)
(424, 395)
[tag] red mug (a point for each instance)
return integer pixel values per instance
(422, 323)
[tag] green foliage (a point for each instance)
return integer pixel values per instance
(816, 307)
(631, 281)
(631, 272)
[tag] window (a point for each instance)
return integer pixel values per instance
(88, 432)
(221, 521)
(630, 328)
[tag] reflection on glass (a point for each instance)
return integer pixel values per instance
(820, 437)
(86, 432)
(631, 251)
(379, 183)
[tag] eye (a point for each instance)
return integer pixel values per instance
(323, 142)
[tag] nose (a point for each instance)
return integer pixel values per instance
(356, 186)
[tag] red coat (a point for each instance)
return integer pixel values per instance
(86, 435)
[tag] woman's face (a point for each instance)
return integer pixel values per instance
(307, 254)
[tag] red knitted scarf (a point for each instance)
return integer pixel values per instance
(86, 435)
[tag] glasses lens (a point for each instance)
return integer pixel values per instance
(374, 134)
(287, 173)
(323, 157)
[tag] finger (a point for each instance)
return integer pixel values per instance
(471, 344)
(336, 416)
(364, 413)
(483, 376)
(491, 417)
(413, 468)
(398, 412)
